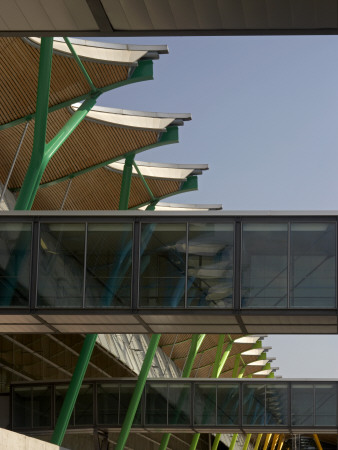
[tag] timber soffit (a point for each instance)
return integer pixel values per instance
(106, 136)
(112, 67)
(177, 348)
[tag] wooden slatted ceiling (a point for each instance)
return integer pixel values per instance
(19, 63)
(90, 144)
(177, 347)
(98, 190)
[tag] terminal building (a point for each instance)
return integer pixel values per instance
(100, 276)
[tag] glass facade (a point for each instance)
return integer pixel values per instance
(190, 264)
(172, 404)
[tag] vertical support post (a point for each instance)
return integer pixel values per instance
(196, 342)
(136, 397)
(40, 127)
(126, 182)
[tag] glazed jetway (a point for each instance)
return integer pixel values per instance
(149, 272)
(185, 405)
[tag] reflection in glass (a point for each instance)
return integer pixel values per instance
(156, 403)
(126, 392)
(302, 401)
(254, 404)
(264, 265)
(108, 404)
(227, 404)
(15, 254)
(109, 264)
(205, 404)
(313, 265)
(325, 405)
(179, 404)
(276, 404)
(60, 394)
(61, 265)
(22, 407)
(162, 267)
(42, 406)
(210, 265)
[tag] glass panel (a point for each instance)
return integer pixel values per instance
(276, 404)
(313, 265)
(61, 261)
(84, 406)
(253, 404)
(205, 404)
(227, 404)
(325, 405)
(60, 393)
(156, 403)
(162, 269)
(109, 264)
(108, 404)
(264, 265)
(179, 404)
(210, 265)
(15, 256)
(302, 404)
(42, 406)
(22, 408)
(126, 392)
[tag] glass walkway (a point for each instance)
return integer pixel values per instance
(203, 405)
(146, 272)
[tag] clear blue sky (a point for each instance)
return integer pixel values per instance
(265, 116)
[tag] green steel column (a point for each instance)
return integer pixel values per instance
(196, 342)
(73, 390)
(247, 441)
(136, 397)
(216, 442)
(232, 443)
(126, 182)
(40, 127)
(258, 441)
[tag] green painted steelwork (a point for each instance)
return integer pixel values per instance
(196, 342)
(247, 441)
(73, 390)
(144, 181)
(236, 366)
(143, 72)
(194, 441)
(81, 66)
(39, 141)
(152, 206)
(136, 397)
(171, 137)
(216, 442)
(258, 441)
(126, 183)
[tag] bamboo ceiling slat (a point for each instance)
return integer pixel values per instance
(19, 63)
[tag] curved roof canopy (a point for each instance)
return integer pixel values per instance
(107, 66)
(168, 17)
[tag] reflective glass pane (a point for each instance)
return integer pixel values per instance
(276, 404)
(22, 408)
(109, 264)
(313, 265)
(254, 404)
(264, 265)
(15, 255)
(61, 265)
(302, 402)
(205, 404)
(210, 265)
(42, 406)
(60, 394)
(126, 392)
(108, 404)
(162, 267)
(179, 404)
(156, 403)
(84, 406)
(325, 405)
(227, 404)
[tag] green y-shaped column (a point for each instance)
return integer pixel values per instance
(196, 342)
